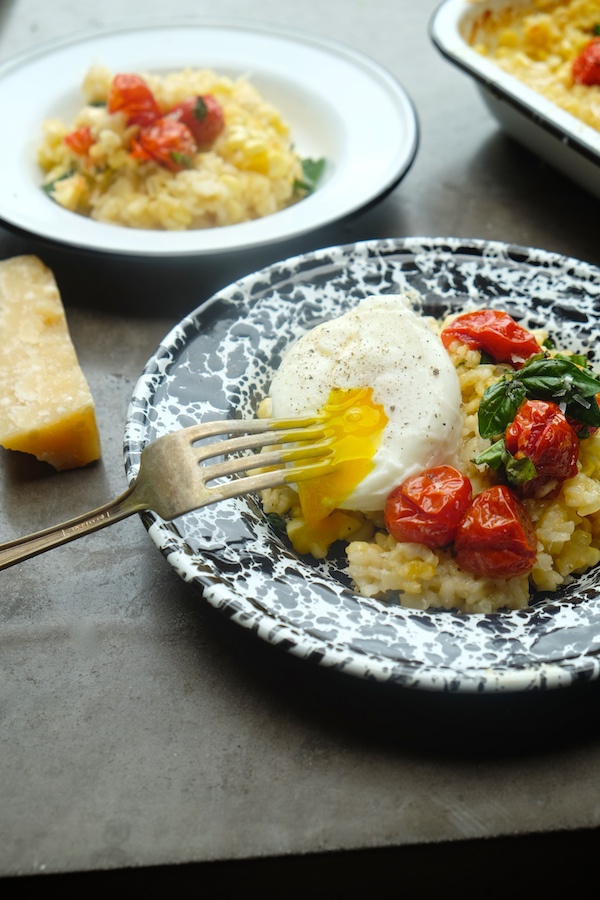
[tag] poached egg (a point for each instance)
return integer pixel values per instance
(384, 381)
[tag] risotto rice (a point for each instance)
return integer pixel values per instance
(567, 525)
(251, 170)
(538, 42)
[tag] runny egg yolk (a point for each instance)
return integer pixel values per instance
(354, 424)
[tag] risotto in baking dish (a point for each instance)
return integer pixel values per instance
(461, 462)
(190, 149)
(553, 46)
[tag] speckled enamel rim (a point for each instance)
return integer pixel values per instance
(217, 363)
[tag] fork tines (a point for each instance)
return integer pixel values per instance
(307, 434)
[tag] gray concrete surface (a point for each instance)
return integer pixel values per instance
(138, 727)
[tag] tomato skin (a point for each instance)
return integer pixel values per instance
(80, 140)
(496, 537)
(494, 332)
(586, 66)
(541, 432)
(131, 95)
(427, 508)
(167, 142)
(203, 115)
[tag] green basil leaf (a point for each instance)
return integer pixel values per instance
(499, 406)
(585, 431)
(200, 109)
(182, 159)
(312, 172)
(555, 379)
(519, 471)
(276, 522)
(493, 456)
(584, 409)
(576, 358)
(563, 382)
(49, 187)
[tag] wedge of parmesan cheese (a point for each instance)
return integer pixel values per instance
(46, 407)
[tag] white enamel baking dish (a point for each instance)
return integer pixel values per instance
(556, 136)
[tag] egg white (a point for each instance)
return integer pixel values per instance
(384, 345)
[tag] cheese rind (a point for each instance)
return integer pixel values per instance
(46, 407)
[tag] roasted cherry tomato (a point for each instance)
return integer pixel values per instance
(130, 94)
(167, 142)
(203, 116)
(427, 508)
(541, 432)
(495, 333)
(586, 66)
(80, 140)
(496, 537)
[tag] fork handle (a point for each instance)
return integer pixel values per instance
(30, 545)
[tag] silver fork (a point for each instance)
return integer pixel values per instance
(171, 480)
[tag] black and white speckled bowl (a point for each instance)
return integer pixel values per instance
(217, 363)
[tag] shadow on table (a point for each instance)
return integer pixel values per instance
(523, 194)
(427, 723)
(172, 287)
